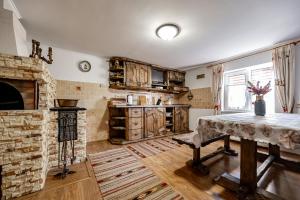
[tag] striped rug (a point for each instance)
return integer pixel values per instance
(152, 147)
(120, 175)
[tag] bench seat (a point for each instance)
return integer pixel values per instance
(197, 161)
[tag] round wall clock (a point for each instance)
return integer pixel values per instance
(84, 66)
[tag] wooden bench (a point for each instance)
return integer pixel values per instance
(197, 161)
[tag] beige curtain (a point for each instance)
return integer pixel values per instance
(218, 71)
(284, 68)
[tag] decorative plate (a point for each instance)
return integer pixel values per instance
(84, 66)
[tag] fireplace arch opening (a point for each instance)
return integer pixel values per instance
(10, 98)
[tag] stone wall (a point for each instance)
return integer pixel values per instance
(22, 151)
(28, 143)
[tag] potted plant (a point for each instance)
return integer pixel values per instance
(259, 91)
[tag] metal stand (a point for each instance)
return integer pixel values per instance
(67, 133)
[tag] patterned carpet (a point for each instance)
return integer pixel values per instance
(120, 175)
(152, 147)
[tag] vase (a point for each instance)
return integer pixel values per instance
(260, 106)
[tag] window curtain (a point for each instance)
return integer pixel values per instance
(284, 68)
(218, 71)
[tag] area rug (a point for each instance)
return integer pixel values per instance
(152, 147)
(120, 175)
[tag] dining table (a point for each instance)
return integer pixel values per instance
(278, 130)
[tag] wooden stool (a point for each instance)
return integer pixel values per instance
(197, 161)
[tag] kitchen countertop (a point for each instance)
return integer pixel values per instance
(149, 106)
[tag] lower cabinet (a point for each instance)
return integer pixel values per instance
(129, 124)
(155, 122)
(181, 119)
(134, 124)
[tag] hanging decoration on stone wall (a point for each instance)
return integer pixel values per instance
(190, 96)
(37, 52)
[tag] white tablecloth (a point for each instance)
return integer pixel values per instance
(280, 128)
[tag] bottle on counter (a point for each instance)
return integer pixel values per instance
(159, 101)
(129, 99)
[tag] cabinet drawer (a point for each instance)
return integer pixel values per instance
(135, 123)
(135, 112)
(134, 134)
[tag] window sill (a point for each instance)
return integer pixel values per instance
(234, 111)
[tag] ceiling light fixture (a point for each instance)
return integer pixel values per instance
(167, 31)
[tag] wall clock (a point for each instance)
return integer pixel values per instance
(84, 66)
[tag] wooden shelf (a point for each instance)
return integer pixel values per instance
(145, 89)
(116, 69)
(177, 81)
(158, 85)
(119, 118)
(116, 77)
(118, 128)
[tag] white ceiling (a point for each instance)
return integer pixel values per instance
(211, 29)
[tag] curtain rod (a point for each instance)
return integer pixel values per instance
(254, 53)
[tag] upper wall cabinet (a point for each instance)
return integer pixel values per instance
(137, 75)
(125, 73)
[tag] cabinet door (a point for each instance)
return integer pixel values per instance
(132, 74)
(181, 119)
(144, 76)
(180, 76)
(160, 121)
(150, 125)
(172, 75)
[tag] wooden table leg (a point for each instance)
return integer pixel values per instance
(227, 149)
(274, 150)
(196, 156)
(197, 162)
(248, 167)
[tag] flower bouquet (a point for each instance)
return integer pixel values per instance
(259, 91)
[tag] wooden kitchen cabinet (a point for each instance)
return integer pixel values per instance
(138, 75)
(176, 76)
(181, 119)
(126, 73)
(132, 74)
(155, 122)
(134, 123)
(145, 76)
(129, 124)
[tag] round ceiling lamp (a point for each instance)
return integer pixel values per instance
(167, 31)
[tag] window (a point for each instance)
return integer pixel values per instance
(236, 96)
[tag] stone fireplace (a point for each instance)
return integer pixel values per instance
(19, 94)
(28, 130)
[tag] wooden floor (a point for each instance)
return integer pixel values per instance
(170, 167)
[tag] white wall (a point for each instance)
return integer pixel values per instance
(65, 66)
(12, 33)
(7, 38)
(249, 61)
(20, 37)
(194, 83)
